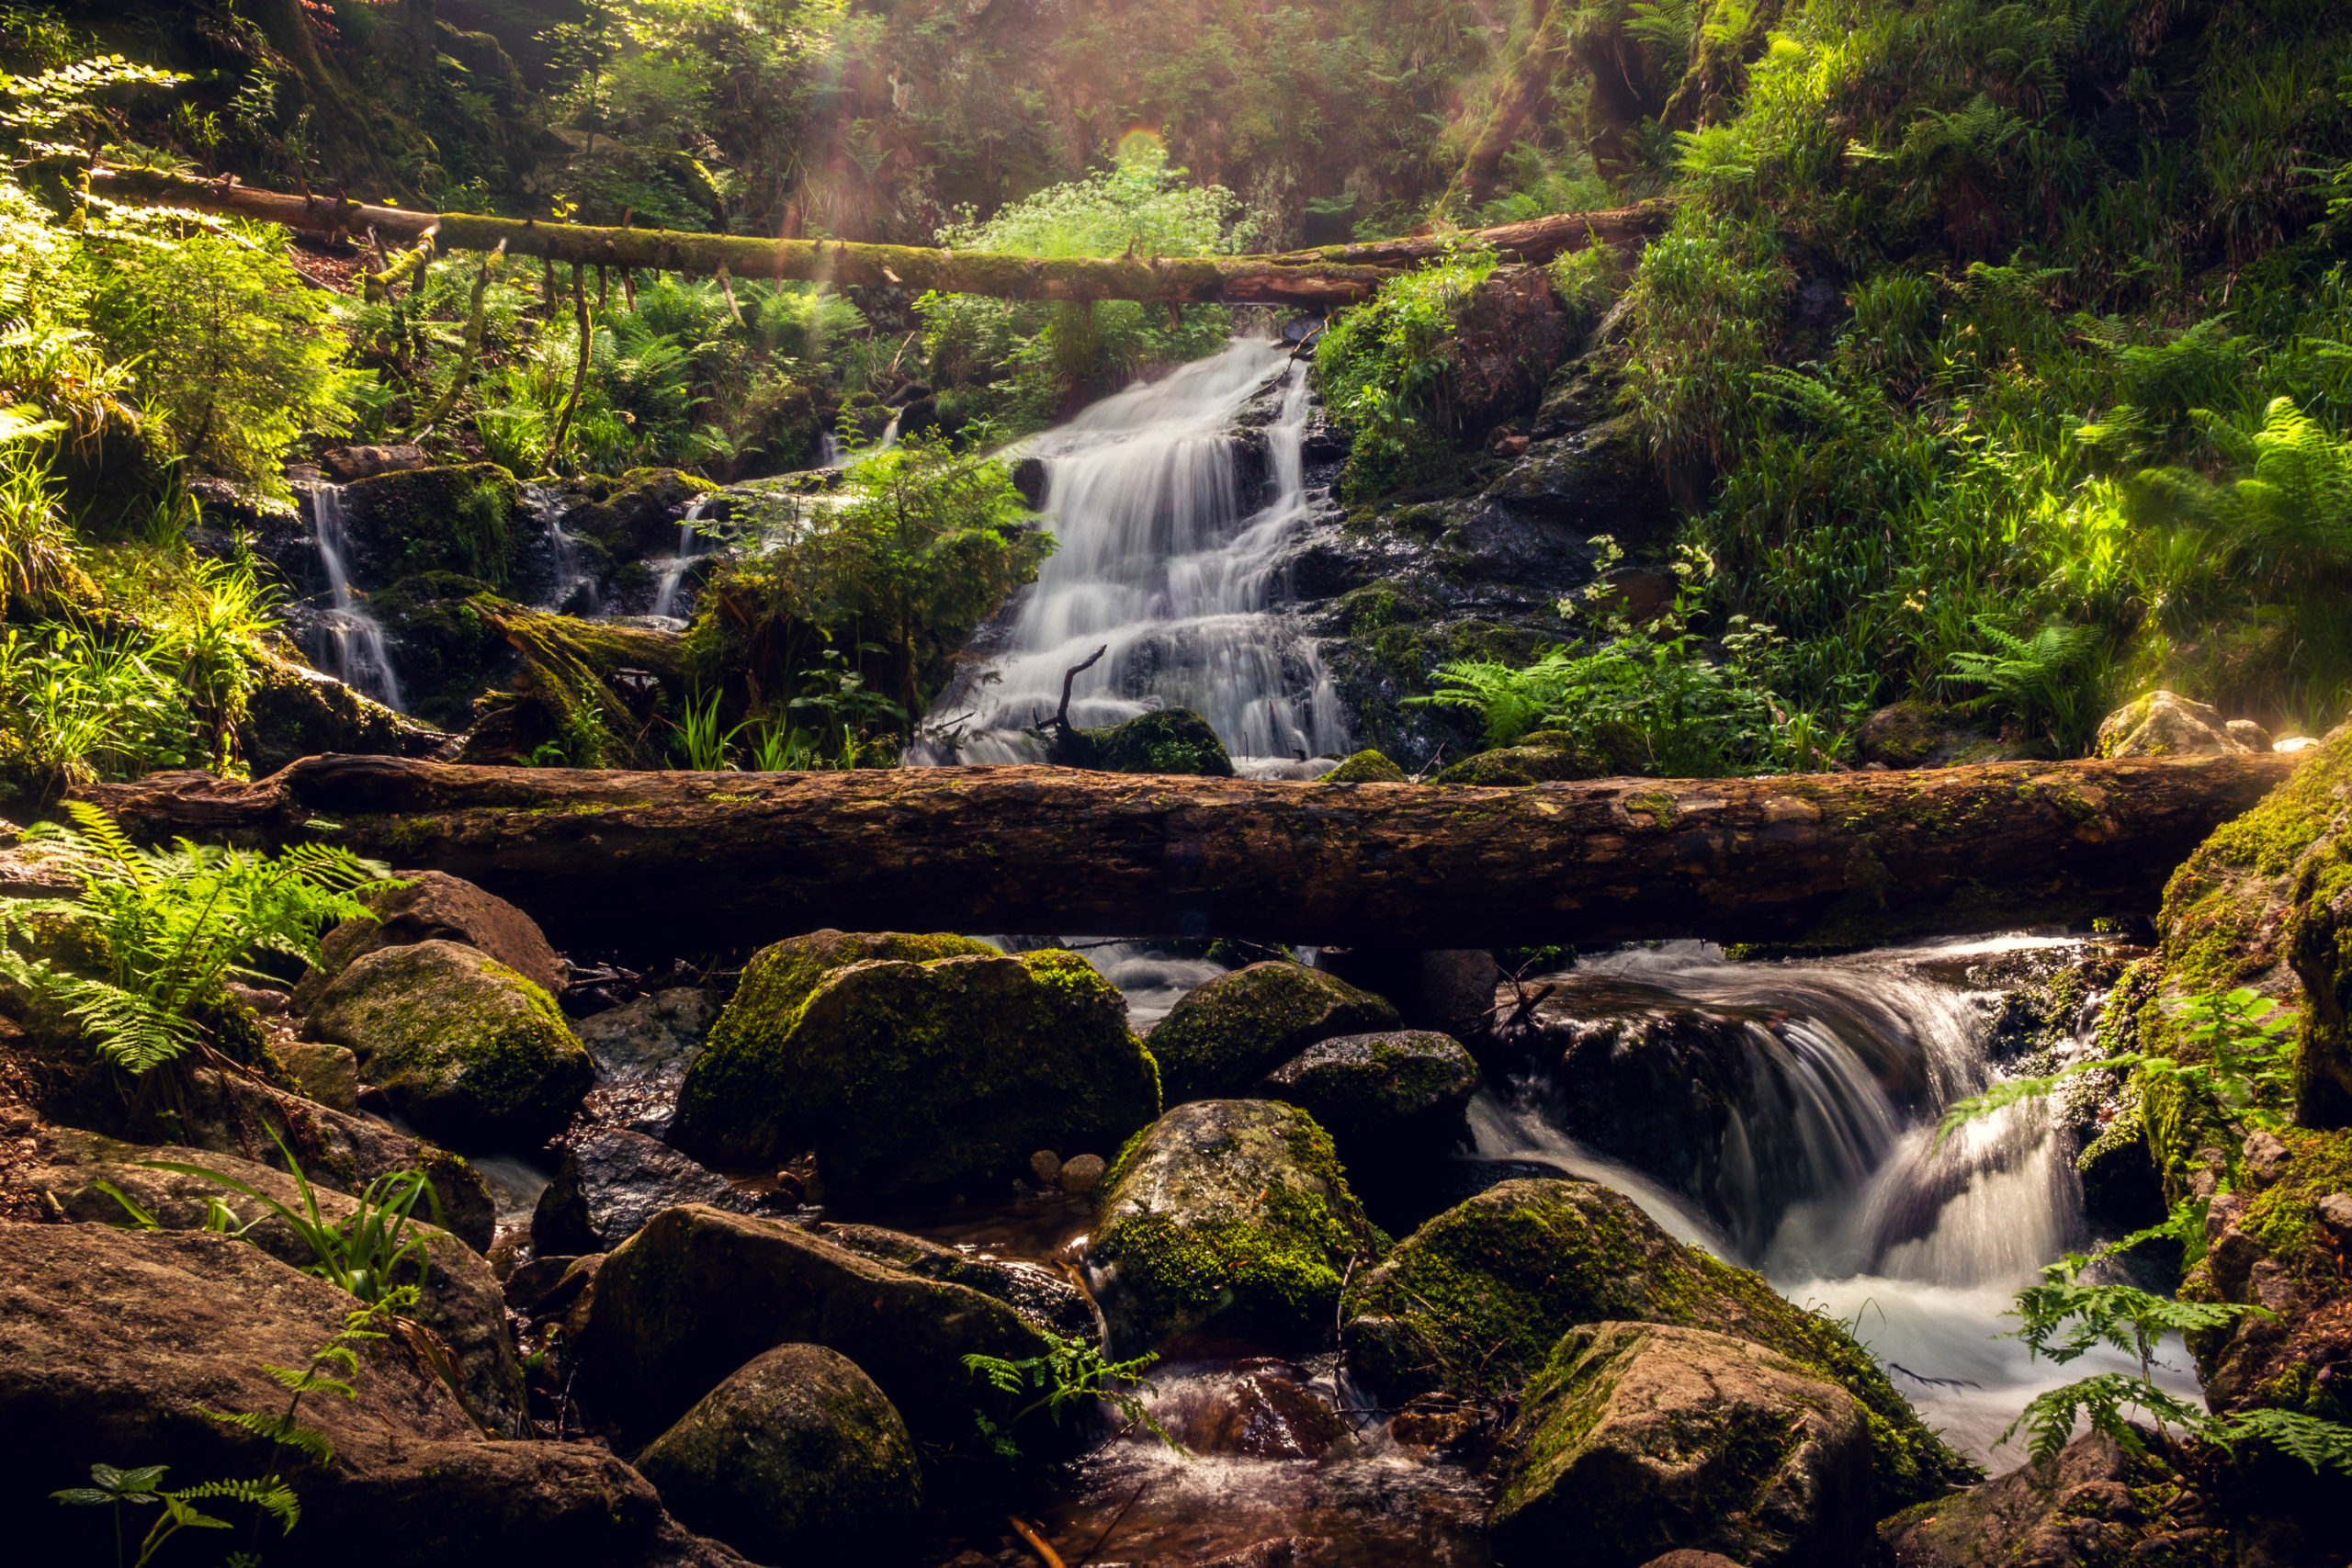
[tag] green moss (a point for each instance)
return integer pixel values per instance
(571, 695)
(1365, 767)
(1165, 740)
(466, 519)
(1228, 1035)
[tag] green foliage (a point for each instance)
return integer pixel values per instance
(1384, 371)
(1071, 1372)
(175, 923)
(76, 707)
(2039, 679)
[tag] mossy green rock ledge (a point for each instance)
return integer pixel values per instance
(1165, 740)
(1474, 1302)
(937, 1064)
(1229, 1217)
(469, 1050)
(1639, 1438)
(1228, 1035)
(1365, 767)
(796, 1455)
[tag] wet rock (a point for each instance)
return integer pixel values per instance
(796, 1455)
(656, 1035)
(1165, 740)
(2163, 724)
(1474, 1302)
(699, 1292)
(1289, 1552)
(1690, 1560)
(532, 1282)
(345, 464)
(1081, 1175)
(1457, 994)
(327, 1074)
(1440, 1421)
(462, 1301)
(436, 906)
(112, 1345)
(908, 1078)
(632, 517)
(1637, 1438)
(295, 711)
(1263, 1409)
(1227, 1034)
(1047, 1300)
(1915, 734)
(2062, 1513)
(1365, 767)
(1505, 344)
(466, 518)
(611, 1182)
(1393, 1093)
(1228, 1217)
(462, 1045)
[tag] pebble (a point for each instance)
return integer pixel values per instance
(1082, 1174)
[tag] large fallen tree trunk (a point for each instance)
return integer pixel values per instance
(1335, 274)
(678, 862)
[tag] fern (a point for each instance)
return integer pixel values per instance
(2050, 1417)
(2040, 678)
(2323, 1445)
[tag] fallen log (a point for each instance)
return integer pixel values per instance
(1334, 275)
(673, 862)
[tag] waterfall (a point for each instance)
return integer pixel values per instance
(1782, 1115)
(574, 591)
(353, 648)
(1169, 558)
(674, 567)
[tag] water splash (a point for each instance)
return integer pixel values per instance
(1169, 556)
(352, 648)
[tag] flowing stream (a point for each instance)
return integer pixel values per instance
(1168, 557)
(352, 647)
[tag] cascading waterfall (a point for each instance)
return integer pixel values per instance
(574, 591)
(675, 569)
(352, 648)
(1164, 560)
(1823, 1171)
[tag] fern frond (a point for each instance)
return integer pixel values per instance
(270, 1494)
(2323, 1445)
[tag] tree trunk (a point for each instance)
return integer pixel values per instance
(673, 862)
(1335, 274)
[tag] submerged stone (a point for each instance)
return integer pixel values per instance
(1637, 1438)
(919, 1076)
(1227, 1216)
(465, 1047)
(797, 1454)
(1228, 1033)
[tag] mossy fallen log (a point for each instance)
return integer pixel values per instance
(681, 861)
(1334, 275)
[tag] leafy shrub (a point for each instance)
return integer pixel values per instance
(1384, 371)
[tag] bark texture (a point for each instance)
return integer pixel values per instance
(677, 860)
(1334, 275)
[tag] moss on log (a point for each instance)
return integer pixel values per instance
(730, 859)
(1335, 274)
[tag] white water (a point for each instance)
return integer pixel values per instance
(575, 587)
(673, 568)
(1164, 562)
(353, 649)
(1917, 1248)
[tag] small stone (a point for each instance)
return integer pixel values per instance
(2336, 1211)
(2295, 744)
(2266, 1156)
(1046, 1165)
(2248, 734)
(1081, 1175)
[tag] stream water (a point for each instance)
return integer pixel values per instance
(351, 645)
(1169, 538)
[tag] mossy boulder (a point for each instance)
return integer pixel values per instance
(1229, 1217)
(1550, 756)
(586, 694)
(466, 518)
(1915, 734)
(630, 517)
(447, 654)
(1228, 1033)
(1365, 767)
(1475, 1300)
(684, 1302)
(2165, 723)
(295, 711)
(433, 905)
(1640, 1439)
(796, 1456)
(1165, 740)
(907, 1076)
(1379, 1094)
(465, 1047)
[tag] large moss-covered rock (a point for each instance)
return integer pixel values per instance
(466, 518)
(446, 653)
(1475, 1300)
(2164, 724)
(1550, 756)
(699, 1292)
(434, 906)
(1227, 1216)
(1638, 1438)
(909, 1077)
(465, 1047)
(1365, 767)
(633, 516)
(1917, 734)
(1165, 740)
(1378, 1094)
(796, 1456)
(1228, 1033)
(294, 711)
(460, 1301)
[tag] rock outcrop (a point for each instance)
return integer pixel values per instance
(1225, 1035)
(2163, 724)
(1637, 1438)
(463, 1046)
(1390, 1094)
(1165, 740)
(436, 906)
(1225, 1216)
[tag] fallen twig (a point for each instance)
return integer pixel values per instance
(1046, 1555)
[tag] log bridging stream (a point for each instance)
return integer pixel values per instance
(727, 861)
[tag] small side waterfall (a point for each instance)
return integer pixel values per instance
(1782, 1116)
(1169, 555)
(574, 591)
(674, 567)
(352, 648)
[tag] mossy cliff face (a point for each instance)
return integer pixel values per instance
(796, 1453)
(468, 519)
(1228, 1033)
(587, 694)
(1226, 1217)
(936, 1070)
(1637, 1440)
(468, 1049)
(1475, 1300)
